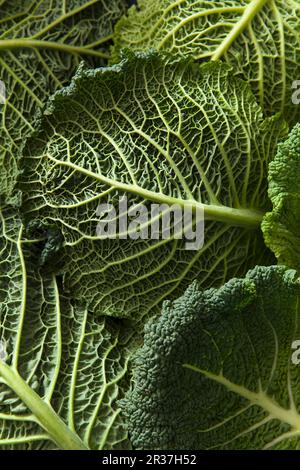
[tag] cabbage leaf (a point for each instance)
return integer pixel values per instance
(155, 133)
(62, 370)
(281, 227)
(41, 45)
(259, 38)
(219, 368)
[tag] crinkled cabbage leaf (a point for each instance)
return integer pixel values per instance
(259, 38)
(152, 132)
(62, 371)
(281, 227)
(41, 46)
(219, 369)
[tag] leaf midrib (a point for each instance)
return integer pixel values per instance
(250, 218)
(45, 416)
(250, 12)
(8, 44)
(260, 398)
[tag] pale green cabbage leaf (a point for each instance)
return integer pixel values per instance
(259, 38)
(62, 371)
(41, 45)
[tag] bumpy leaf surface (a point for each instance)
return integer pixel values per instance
(62, 370)
(155, 133)
(260, 38)
(220, 368)
(281, 227)
(41, 45)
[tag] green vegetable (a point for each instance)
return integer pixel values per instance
(63, 370)
(281, 227)
(41, 45)
(260, 38)
(217, 369)
(193, 136)
(99, 165)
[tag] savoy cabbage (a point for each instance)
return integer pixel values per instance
(260, 38)
(41, 45)
(281, 227)
(123, 342)
(152, 132)
(216, 369)
(64, 370)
